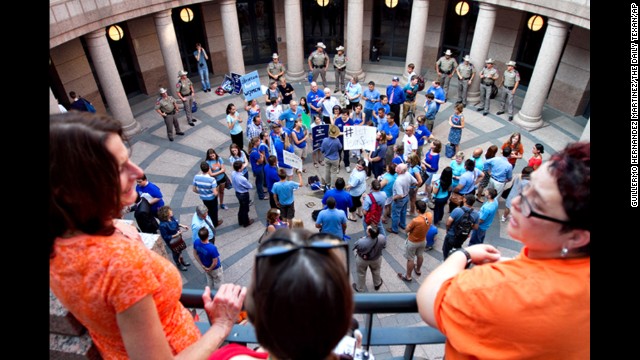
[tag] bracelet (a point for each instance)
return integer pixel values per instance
(467, 255)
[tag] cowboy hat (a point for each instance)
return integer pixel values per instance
(182, 72)
(340, 48)
(448, 52)
(334, 131)
(467, 58)
(274, 56)
(489, 61)
(321, 45)
(163, 90)
(511, 63)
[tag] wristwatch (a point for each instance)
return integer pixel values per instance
(466, 253)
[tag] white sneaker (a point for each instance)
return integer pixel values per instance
(348, 169)
(422, 193)
(503, 219)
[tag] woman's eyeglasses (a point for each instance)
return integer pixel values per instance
(527, 210)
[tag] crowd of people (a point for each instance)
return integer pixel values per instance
(547, 209)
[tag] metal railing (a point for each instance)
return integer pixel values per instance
(368, 304)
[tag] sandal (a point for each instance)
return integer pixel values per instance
(316, 165)
(417, 272)
(404, 278)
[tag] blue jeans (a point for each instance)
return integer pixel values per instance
(477, 236)
(204, 77)
(381, 230)
(438, 208)
(399, 213)
(259, 175)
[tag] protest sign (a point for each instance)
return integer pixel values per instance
(237, 84)
(292, 159)
(251, 85)
(318, 133)
(359, 137)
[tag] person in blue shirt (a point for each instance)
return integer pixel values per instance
(391, 129)
(257, 160)
(313, 97)
(203, 69)
(438, 93)
(271, 177)
(208, 257)
(242, 187)
(382, 104)
(395, 93)
(283, 195)
(342, 121)
(206, 187)
(487, 213)
(332, 220)
(342, 197)
(289, 117)
(422, 134)
(281, 143)
(430, 109)
(331, 148)
(201, 219)
(431, 237)
(371, 97)
(145, 186)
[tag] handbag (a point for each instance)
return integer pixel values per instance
(449, 150)
(177, 244)
(194, 106)
(494, 91)
(456, 198)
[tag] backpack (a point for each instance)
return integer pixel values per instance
(420, 83)
(375, 212)
(464, 225)
(88, 105)
(449, 151)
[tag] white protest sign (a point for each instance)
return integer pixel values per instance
(292, 159)
(359, 137)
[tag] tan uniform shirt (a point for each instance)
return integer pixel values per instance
(275, 69)
(489, 75)
(318, 59)
(446, 65)
(184, 87)
(339, 61)
(511, 78)
(466, 70)
(166, 105)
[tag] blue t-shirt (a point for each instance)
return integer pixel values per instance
(254, 156)
(468, 181)
(279, 145)
(331, 221)
(431, 234)
(290, 117)
(392, 130)
(340, 123)
(370, 95)
(379, 105)
(391, 180)
(205, 185)
(331, 148)
(313, 98)
(207, 253)
(284, 190)
(300, 135)
(422, 134)
(487, 212)
(438, 94)
(236, 129)
(271, 176)
(153, 190)
(457, 213)
(343, 199)
(242, 158)
(215, 166)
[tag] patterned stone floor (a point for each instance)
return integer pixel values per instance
(172, 165)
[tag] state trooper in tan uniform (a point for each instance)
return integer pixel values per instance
(466, 72)
(445, 67)
(184, 89)
(167, 107)
(340, 66)
(510, 83)
(488, 75)
(275, 69)
(318, 62)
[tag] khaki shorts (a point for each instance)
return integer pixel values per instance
(301, 152)
(411, 249)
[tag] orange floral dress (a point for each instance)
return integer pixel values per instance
(97, 277)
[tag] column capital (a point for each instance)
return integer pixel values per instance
(162, 15)
(227, 2)
(558, 24)
(486, 6)
(96, 34)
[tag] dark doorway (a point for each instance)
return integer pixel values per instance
(528, 49)
(459, 30)
(255, 18)
(56, 86)
(122, 55)
(390, 29)
(322, 24)
(188, 34)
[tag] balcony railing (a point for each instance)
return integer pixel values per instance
(367, 304)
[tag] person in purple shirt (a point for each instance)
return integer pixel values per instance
(395, 93)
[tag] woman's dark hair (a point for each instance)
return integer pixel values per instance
(229, 106)
(300, 303)
(163, 213)
(572, 169)
(84, 176)
(446, 178)
(540, 148)
(437, 146)
(209, 152)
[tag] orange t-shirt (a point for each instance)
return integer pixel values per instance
(517, 309)
(96, 277)
(418, 228)
(518, 150)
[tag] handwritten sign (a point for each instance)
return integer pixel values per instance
(359, 137)
(292, 159)
(318, 133)
(251, 85)
(237, 84)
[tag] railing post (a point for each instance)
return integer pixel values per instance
(369, 321)
(408, 351)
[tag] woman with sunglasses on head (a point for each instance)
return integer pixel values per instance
(537, 305)
(126, 295)
(300, 300)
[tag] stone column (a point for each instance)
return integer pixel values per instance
(53, 104)
(417, 31)
(355, 14)
(231, 31)
(296, 61)
(480, 46)
(109, 78)
(169, 49)
(530, 116)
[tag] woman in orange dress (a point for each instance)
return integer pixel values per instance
(517, 150)
(126, 295)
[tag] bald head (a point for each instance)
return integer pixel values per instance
(477, 152)
(401, 169)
